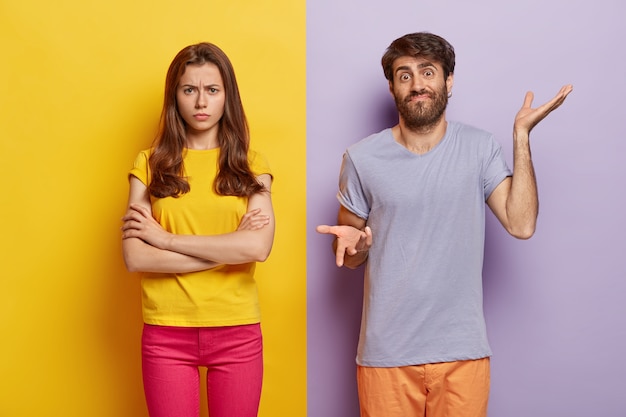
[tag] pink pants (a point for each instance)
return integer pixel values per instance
(233, 357)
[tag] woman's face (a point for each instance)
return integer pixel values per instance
(200, 97)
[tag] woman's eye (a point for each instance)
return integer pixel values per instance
(188, 90)
(213, 90)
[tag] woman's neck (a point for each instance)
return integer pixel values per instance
(202, 140)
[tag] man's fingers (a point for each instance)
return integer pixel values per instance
(323, 228)
(528, 99)
(340, 254)
(349, 239)
(368, 236)
(562, 95)
(566, 89)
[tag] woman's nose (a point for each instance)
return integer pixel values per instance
(201, 101)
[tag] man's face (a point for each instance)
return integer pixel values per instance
(420, 91)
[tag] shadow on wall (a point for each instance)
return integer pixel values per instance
(381, 114)
(120, 321)
(496, 258)
(335, 299)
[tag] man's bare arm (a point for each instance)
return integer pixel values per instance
(515, 201)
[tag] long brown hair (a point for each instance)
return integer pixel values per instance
(234, 175)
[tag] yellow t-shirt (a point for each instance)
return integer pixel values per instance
(223, 296)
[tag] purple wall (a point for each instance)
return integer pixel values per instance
(554, 304)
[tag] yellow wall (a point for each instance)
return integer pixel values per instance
(80, 88)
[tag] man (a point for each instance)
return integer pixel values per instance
(413, 210)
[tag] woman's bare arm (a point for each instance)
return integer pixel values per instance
(252, 243)
(140, 256)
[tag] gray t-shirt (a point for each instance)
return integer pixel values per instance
(423, 278)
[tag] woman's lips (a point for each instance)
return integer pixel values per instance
(201, 116)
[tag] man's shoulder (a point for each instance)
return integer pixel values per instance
(466, 135)
(463, 129)
(374, 140)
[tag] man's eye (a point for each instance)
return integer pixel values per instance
(429, 73)
(405, 77)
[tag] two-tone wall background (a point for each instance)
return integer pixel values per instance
(80, 94)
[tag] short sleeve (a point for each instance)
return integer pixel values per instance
(351, 194)
(496, 168)
(258, 163)
(141, 168)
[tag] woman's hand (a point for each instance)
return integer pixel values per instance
(139, 223)
(253, 220)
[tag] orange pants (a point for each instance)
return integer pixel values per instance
(450, 389)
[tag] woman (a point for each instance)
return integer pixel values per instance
(199, 217)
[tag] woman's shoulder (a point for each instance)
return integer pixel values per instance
(146, 152)
(143, 155)
(142, 160)
(258, 161)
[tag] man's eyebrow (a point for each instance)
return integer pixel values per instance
(402, 68)
(419, 66)
(426, 64)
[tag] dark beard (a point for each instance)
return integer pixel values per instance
(421, 116)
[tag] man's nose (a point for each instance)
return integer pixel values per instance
(417, 83)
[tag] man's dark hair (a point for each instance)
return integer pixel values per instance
(420, 44)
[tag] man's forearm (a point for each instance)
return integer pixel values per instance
(523, 203)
